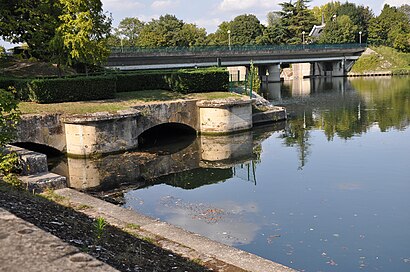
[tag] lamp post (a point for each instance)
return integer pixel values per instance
(229, 39)
(303, 37)
(360, 37)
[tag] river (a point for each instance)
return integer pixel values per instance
(326, 191)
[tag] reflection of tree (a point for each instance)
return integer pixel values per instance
(297, 134)
(387, 99)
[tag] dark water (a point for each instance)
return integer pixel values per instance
(327, 191)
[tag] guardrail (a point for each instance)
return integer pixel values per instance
(235, 48)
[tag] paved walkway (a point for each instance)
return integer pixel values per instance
(24, 247)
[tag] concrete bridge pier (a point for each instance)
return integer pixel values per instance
(301, 70)
(262, 71)
(274, 73)
(333, 68)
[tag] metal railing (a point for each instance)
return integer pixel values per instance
(237, 48)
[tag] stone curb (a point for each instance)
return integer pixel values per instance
(25, 247)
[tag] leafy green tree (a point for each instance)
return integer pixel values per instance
(83, 32)
(340, 30)
(296, 18)
(273, 18)
(245, 29)
(191, 35)
(359, 15)
(275, 34)
(32, 22)
(384, 29)
(220, 37)
(161, 32)
(128, 31)
(2, 51)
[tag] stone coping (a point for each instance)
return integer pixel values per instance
(99, 116)
(200, 245)
(222, 103)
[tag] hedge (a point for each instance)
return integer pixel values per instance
(184, 81)
(72, 89)
(139, 81)
(19, 84)
(199, 81)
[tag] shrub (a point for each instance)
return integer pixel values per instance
(199, 80)
(19, 84)
(140, 81)
(72, 89)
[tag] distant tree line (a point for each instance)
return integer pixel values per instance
(78, 33)
(343, 23)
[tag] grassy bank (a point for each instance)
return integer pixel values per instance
(383, 58)
(121, 102)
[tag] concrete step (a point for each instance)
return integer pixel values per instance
(32, 162)
(41, 181)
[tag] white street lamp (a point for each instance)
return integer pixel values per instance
(303, 37)
(229, 39)
(360, 37)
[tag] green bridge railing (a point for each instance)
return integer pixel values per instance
(235, 48)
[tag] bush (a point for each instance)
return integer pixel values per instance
(19, 84)
(140, 81)
(184, 81)
(72, 89)
(199, 80)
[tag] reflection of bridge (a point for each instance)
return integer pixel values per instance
(325, 59)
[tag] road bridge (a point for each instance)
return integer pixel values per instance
(318, 59)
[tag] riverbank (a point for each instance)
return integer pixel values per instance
(381, 61)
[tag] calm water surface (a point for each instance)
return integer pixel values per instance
(327, 191)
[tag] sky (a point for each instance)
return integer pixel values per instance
(210, 13)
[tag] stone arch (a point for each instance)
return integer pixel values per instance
(166, 133)
(40, 148)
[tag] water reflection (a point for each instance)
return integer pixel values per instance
(342, 107)
(208, 158)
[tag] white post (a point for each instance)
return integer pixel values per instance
(360, 37)
(303, 37)
(229, 39)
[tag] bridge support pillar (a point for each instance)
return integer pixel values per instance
(301, 70)
(335, 68)
(262, 73)
(274, 73)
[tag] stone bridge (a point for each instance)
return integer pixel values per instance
(104, 133)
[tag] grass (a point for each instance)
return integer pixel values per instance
(121, 102)
(386, 59)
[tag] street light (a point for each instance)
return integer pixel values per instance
(229, 39)
(360, 37)
(303, 37)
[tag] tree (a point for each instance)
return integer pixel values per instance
(128, 31)
(245, 29)
(220, 37)
(275, 34)
(359, 15)
(191, 35)
(384, 29)
(296, 18)
(340, 30)
(83, 32)
(32, 22)
(273, 18)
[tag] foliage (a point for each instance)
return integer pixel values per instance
(256, 81)
(72, 89)
(245, 29)
(340, 30)
(390, 25)
(18, 86)
(99, 224)
(220, 37)
(2, 52)
(83, 31)
(139, 81)
(9, 117)
(33, 22)
(168, 30)
(204, 80)
(296, 18)
(128, 31)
